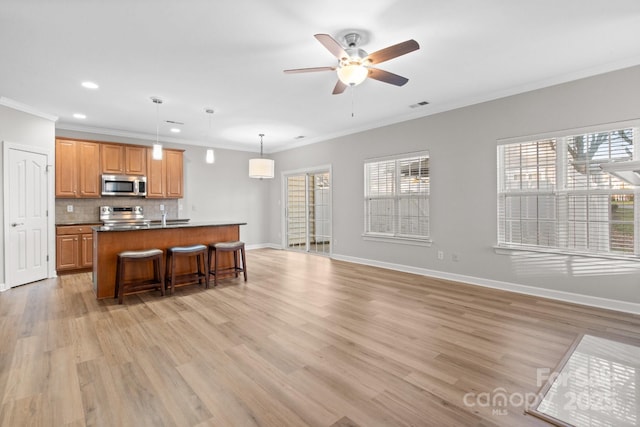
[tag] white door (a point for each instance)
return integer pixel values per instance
(26, 229)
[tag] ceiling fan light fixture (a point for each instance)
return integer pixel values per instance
(352, 74)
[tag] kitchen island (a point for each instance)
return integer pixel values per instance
(109, 241)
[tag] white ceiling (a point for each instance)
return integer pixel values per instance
(230, 56)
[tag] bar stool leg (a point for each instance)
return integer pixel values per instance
(118, 268)
(244, 264)
(215, 269)
(206, 269)
(173, 274)
(157, 273)
(235, 263)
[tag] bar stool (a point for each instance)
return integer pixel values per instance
(202, 266)
(216, 248)
(131, 257)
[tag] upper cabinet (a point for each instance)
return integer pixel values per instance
(165, 177)
(175, 177)
(119, 159)
(79, 165)
(77, 169)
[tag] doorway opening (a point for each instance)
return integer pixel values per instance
(307, 211)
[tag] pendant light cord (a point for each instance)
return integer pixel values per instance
(261, 135)
(157, 101)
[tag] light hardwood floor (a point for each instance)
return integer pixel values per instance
(306, 341)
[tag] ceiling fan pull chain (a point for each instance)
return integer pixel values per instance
(353, 89)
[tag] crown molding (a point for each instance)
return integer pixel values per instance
(8, 102)
(147, 137)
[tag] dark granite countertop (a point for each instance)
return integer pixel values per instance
(170, 224)
(62, 224)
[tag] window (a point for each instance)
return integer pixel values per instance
(396, 198)
(552, 194)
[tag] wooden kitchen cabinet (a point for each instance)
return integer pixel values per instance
(165, 178)
(77, 169)
(86, 250)
(175, 176)
(74, 248)
(121, 159)
(67, 252)
(112, 159)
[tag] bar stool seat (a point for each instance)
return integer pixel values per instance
(126, 258)
(237, 247)
(199, 275)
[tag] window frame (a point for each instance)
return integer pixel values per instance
(396, 197)
(561, 190)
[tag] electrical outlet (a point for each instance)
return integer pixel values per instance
(69, 208)
(440, 255)
(161, 207)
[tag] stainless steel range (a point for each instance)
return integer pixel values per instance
(123, 216)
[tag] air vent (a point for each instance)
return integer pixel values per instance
(174, 122)
(419, 104)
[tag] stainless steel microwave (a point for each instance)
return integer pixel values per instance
(124, 185)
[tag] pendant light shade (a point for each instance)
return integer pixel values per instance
(210, 156)
(261, 167)
(156, 154)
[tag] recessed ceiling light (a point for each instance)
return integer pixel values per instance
(175, 130)
(79, 116)
(90, 85)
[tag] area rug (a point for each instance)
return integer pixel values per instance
(597, 384)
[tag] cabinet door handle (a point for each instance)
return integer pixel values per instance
(15, 224)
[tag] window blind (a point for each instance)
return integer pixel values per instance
(397, 196)
(552, 193)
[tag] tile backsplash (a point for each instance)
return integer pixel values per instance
(88, 210)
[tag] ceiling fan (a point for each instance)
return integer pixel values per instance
(355, 65)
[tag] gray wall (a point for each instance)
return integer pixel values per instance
(212, 192)
(25, 129)
(462, 146)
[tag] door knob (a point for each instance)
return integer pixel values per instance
(15, 224)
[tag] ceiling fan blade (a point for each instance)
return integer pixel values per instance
(332, 45)
(309, 70)
(387, 77)
(393, 51)
(340, 87)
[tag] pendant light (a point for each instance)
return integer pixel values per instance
(261, 167)
(156, 154)
(209, 157)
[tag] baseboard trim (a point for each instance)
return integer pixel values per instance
(606, 303)
(262, 246)
(3, 287)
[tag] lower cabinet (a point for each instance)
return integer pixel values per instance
(74, 247)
